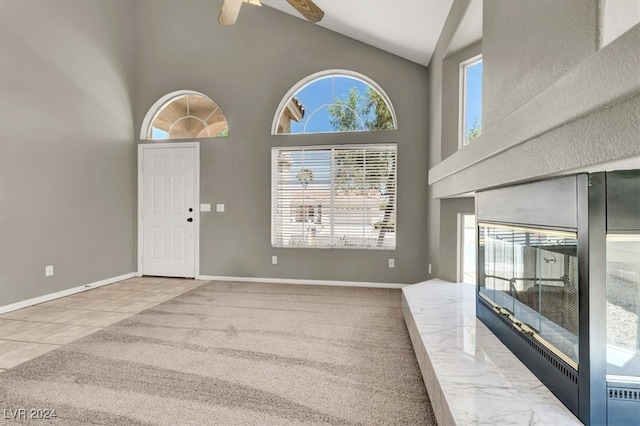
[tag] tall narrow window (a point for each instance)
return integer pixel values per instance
(343, 196)
(471, 100)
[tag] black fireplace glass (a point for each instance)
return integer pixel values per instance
(623, 305)
(531, 277)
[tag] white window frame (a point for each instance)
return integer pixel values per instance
(156, 109)
(331, 210)
(460, 257)
(462, 102)
(328, 74)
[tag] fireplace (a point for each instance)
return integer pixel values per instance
(559, 283)
(531, 277)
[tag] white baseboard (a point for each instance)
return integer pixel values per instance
(299, 281)
(47, 297)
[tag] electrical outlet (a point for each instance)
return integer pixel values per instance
(274, 260)
(429, 268)
(48, 271)
(392, 263)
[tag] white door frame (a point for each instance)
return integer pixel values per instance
(196, 207)
(461, 241)
(460, 248)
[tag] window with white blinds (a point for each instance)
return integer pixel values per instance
(341, 196)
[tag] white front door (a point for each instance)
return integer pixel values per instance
(168, 211)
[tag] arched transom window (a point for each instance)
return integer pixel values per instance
(334, 101)
(184, 115)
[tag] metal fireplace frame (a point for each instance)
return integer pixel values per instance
(590, 206)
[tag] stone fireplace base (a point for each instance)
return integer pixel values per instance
(471, 377)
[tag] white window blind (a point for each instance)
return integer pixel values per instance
(342, 196)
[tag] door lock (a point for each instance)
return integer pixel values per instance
(190, 219)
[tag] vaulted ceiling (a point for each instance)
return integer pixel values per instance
(407, 28)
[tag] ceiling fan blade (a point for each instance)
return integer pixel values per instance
(229, 12)
(308, 9)
(231, 9)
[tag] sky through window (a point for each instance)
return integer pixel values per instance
(472, 101)
(333, 99)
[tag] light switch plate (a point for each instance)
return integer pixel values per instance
(205, 207)
(220, 208)
(48, 271)
(392, 263)
(274, 260)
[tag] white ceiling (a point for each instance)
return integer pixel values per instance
(619, 16)
(469, 30)
(407, 28)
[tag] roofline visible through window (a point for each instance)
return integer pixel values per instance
(326, 74)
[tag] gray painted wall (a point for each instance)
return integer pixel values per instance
(67, 157)
(552, 104)
(527, 45)
(247, 69)
(614, 132)
(448, 241)
(68, 165)
(440, 128)
(568, 126)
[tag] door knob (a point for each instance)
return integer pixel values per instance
(190, 219)
(190, 209)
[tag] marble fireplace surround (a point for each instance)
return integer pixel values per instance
(471, 377)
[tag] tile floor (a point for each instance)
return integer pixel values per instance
(30, 332)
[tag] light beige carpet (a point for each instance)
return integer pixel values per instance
(236, 354)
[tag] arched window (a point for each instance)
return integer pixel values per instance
(334, 101)
(184, 115)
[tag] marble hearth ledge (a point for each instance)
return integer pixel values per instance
(471, 377)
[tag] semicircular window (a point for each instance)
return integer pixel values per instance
(186, 116)
(334, 102)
